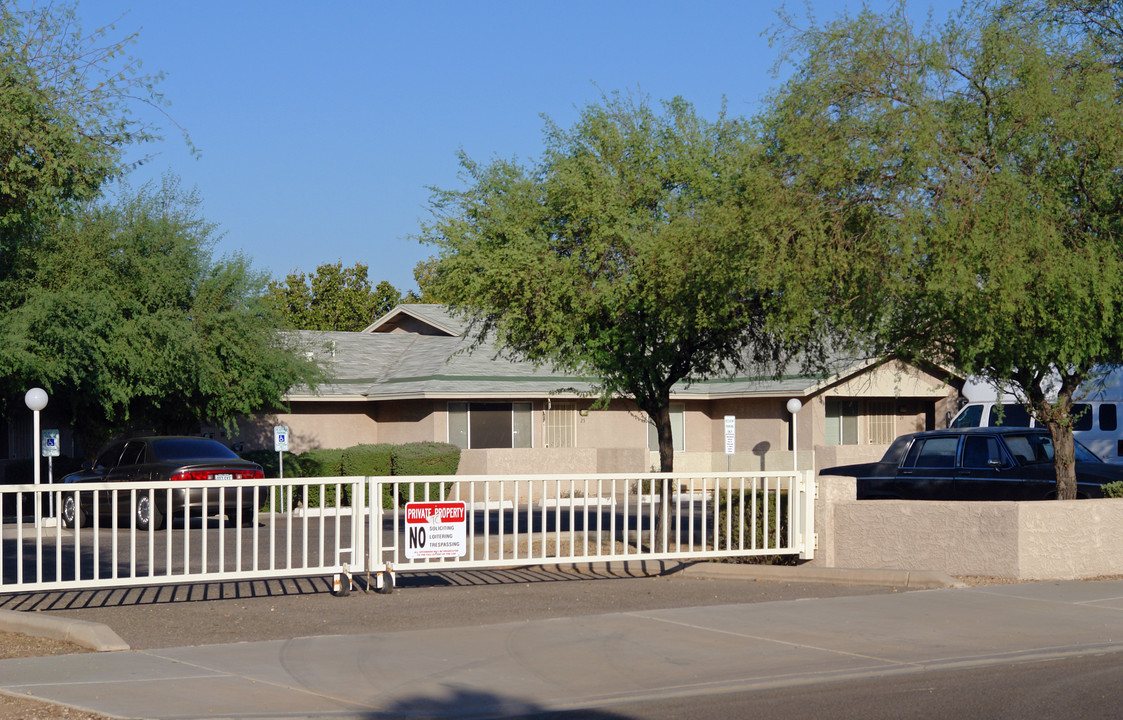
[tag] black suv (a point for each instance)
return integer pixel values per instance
(998, 463)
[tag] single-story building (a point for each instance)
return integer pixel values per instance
(409, 377)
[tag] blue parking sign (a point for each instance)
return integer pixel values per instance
(50, 443)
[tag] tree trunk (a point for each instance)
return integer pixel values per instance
(1064, 459)
(1059, 421)
(661, 416)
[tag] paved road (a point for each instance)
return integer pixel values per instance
(599, 660)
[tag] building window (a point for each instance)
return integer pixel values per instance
(678, 429)
(561, 425)
(474, 426)
(842, 421)
(881, 424)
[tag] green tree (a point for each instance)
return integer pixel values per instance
(332, 298)
(129, 323)
(424, 274)
(973, 172)
(68, 110)
(644, 249)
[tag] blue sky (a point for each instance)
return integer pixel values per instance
(320, 125)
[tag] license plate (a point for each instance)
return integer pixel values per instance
(223, 476)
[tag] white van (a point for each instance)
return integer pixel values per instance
(1096, 424)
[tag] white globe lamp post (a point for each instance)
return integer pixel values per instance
(794, 406)
(36, 400)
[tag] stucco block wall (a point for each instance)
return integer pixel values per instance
(546, 461)
(1021, 540)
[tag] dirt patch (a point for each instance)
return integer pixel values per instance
(980, 580)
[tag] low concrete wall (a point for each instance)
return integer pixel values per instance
(1021, 540)
(527, 461)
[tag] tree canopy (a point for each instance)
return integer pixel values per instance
(68, 103)
(333, 298)
(128, 322)
(973, 168)
(117, 309)
(645, 248)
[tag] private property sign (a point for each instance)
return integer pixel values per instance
(436, 529)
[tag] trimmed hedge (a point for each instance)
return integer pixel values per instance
(268, 461)
(320, 463)
(426, 458)
(365, 460)
(372, 460)
(422, 458)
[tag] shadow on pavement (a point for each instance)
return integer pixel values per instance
(289, 587)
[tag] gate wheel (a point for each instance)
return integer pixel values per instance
(341, 585)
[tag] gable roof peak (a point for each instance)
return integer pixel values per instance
(418, 319)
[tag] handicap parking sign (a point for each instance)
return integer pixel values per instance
(50, 443)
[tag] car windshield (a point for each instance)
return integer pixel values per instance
(190, 449)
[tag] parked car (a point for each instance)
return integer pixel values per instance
(992, 463)
(151, 459)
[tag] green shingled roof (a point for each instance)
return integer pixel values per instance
(375, 364)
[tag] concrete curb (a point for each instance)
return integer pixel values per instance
(910, 579)
(94, 636)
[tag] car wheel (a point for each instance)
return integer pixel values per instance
(72, 516)
(148, 513)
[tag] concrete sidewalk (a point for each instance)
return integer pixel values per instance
(587, 662)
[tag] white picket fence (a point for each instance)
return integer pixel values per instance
(323, 526)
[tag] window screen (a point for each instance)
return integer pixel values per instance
(561, 425)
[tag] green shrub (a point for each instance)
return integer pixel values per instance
(320, 463)
(422, 458)
(766, 533)
(367, 460)
(425, 458)
(269, 462)
(1113, 490)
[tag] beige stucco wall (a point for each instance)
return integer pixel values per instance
(1020, 540)
(524, 461)
(311, 426)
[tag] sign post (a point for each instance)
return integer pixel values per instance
(436, 529)
(281, 445)
(50, 451)
(730, 440)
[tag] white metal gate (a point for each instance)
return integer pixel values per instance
(348, 526)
